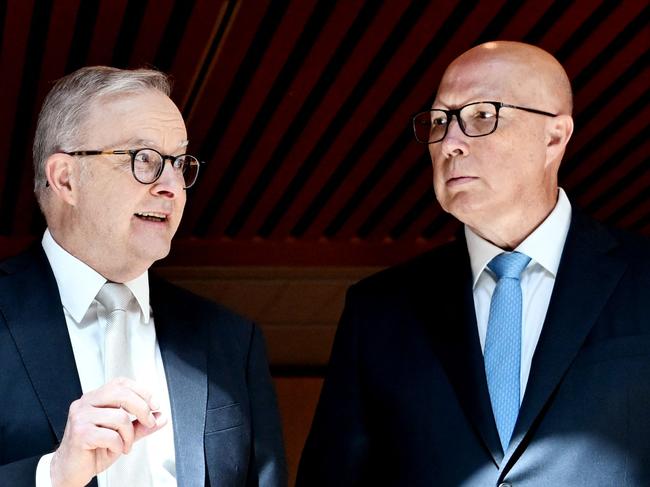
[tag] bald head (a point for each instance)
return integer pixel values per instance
(529, 73)
(501, 182)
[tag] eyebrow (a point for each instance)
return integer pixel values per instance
(148, 143)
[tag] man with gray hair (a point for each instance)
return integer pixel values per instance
(111, 377)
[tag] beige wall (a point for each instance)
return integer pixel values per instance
(297, 397)
(297, 307)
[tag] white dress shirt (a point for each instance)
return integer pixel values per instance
(86, 320)
(544, 247)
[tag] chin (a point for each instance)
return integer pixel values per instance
(466, 211)
(160, 254)
(153, 252)
(460, 203)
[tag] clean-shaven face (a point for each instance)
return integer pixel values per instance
(129, 225)
(501, 177)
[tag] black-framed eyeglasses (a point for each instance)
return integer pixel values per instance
(475, 119)
(147, 165)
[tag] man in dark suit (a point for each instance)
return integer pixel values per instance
(111, 378)
(518, 355)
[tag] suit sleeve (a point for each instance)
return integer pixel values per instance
(21, 473)
(336, 453)
(267, 467)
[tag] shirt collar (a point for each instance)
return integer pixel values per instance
(79, 283)
(544, 246)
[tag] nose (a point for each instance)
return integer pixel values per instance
(170, 184)
(455, 142)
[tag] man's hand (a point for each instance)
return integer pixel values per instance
(100, 428)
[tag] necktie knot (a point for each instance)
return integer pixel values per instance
(114, 296)
(509, 264)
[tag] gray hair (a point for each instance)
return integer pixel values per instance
(68, 105)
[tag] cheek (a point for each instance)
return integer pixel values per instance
(435, 173)
(112, 214)
(438, 181)
(503, 164)
(436, 164)
(180, 202)
(521, 180)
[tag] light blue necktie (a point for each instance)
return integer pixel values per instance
(502, 353)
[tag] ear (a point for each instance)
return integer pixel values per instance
(62, 173)
(558, 133)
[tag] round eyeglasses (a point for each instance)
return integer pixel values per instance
(147, 165)
(475, 119)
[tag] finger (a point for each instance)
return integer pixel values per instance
(104, 458)
(141, 430)
(142, 391)
(136, 387)
(104, 438)
(85, 421)
(117, 420)
(122, 395)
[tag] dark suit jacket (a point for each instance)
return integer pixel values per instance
(226, 425)
(405, 401)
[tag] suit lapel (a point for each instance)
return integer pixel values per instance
(586, 278)
(30, 303)
(182, 346)
(452, 326)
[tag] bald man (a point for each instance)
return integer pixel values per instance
(517, 355)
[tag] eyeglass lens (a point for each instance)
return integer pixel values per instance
(148, 165)
(476, 119)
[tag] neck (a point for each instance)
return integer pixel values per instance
(507, 233)
(106, 267)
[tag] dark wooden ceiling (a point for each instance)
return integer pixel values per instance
(301, 109)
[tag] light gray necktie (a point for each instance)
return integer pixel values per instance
(132, 469)
(117, 359)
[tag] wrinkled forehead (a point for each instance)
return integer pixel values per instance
(488, 79)
(136, 102)
(135, 118)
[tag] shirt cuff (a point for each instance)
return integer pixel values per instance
(43, 478)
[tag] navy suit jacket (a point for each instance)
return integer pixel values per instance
(226, 425)
(405, 400)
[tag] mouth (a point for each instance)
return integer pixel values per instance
(453, 181)
(152, 216)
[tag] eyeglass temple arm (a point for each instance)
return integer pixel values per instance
(531, 110)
